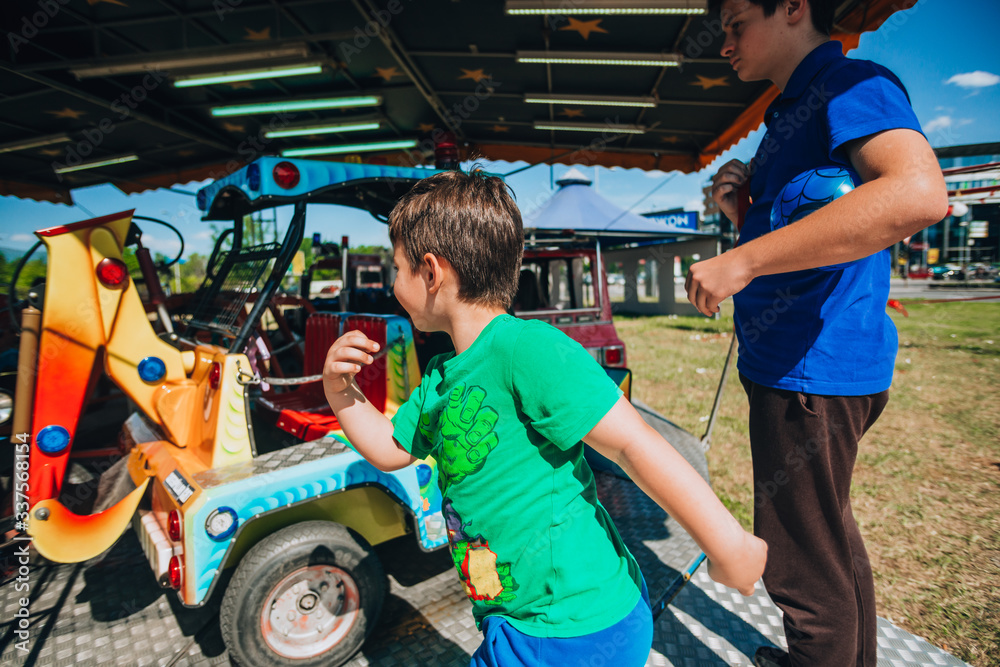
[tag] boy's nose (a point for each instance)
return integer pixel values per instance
(727, 47)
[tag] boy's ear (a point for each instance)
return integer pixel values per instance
(433, 271)
(795, 10)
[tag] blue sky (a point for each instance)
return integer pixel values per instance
(944, 52)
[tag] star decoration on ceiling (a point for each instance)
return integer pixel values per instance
(110, 2)
(51, 152)
(425, 127)
(670, 139)
(257, 35)
(185, 152)
(571, 113)
(241, 85)
(584, 27)
(501, 128)
(232, 127)
(474, 74)
(387, 73)
(66, 112)
(707, 83)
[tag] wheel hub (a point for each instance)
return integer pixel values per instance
(309, 611)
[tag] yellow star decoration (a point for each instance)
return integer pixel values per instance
(185, 152)
(52, 152)
(388, 72)
(584, 27)
(257, 35)
(571, 113)
(425, 127)
(670, 139)
(241, 85)
(66, 112)
(707, 83)
(500, 128)
(110, 2)
(474, 74)
(232, 127)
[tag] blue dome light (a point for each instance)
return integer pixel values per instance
(253, 176)
(152, 369)
(52, 439)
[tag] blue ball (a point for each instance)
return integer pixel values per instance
(808, 192)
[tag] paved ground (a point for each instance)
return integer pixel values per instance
(109, 610)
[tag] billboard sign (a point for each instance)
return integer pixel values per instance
(681, 221)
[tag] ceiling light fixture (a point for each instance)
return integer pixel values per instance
(350, 148)
(193, 59)
(246, 75)
(35, 142)
(599, 58)
(298, 105)
(324, 128)
(593, 100)
(97, 163)
(604, 7)
(590, 127)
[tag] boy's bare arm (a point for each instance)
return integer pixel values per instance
(903, 191)
(369, 431)
(736, 558)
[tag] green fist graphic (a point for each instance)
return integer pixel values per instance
(467, 433)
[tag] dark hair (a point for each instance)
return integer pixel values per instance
(821, 11)
(470, 220)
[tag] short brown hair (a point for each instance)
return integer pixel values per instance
(470, 220)
(821, 11)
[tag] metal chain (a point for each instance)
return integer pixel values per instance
(245, 378)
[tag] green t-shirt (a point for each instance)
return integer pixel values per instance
(504, 421)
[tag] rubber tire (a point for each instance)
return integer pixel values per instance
(277, 556)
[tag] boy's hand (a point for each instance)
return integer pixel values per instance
(741, 568)
(725, 185)
(344, 360)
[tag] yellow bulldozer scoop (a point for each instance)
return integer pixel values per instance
(65, 537)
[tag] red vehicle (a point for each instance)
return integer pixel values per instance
(568, 288)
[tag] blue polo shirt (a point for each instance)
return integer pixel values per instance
(820, 331)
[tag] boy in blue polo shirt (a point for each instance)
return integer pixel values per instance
(817, 349)
(505, 416)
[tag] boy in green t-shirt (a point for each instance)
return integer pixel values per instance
(505, 416)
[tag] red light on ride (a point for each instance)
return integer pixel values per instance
(613, 356)
(112, 272)
(174, 526)
(286, 175)
(215, 375)
(175, 570)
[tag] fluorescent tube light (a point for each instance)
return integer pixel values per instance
(246, 75)
(192, 59)
(98, 163)
(350, 148)
(590, 127)
(604, 7)
(35, 142)
(599, 58)
(595, 100)
(298, 105)
(325, 128)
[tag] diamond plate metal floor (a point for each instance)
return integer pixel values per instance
(109, 610)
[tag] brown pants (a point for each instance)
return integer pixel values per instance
(804, 447)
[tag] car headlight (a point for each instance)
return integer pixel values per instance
(6, 407)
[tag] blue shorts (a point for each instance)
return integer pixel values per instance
(624, 644)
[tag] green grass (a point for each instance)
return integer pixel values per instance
(928, 474)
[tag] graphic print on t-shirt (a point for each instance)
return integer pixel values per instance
(466, 434)
(484, 579)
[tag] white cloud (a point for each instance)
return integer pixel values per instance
(22, 238)
(977, 79)
(939, 123)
